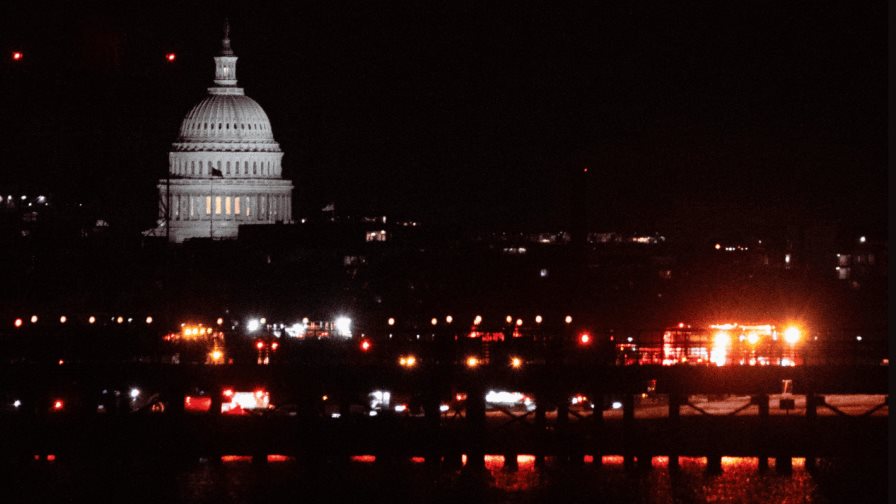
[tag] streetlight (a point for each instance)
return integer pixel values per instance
(538, 319)
(568, 319)
(792, 335)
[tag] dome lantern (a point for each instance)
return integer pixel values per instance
(225, 61)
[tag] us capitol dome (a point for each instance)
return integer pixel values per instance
(224, 169)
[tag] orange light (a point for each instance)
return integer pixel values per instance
(149, 320)
(509, 319)
(274, 345)
(477, 320)
(217, 355)
(170, 57)
(407, 361)
(472, 362)
(61, 362)
(17, 56)
(449, 319)
(434, 321)
(220, 321)
(18, 322)
(34, 319)
(792, 335)
(63, 319)
(391, 321)
(259, 345)
(519, 322)
(120, 320)
(538, 319)
(365, 345)
(568, 319)
(58, 405)
(516, 362)
(584, 338)
(92, 319)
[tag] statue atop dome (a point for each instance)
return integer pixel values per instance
(225, 42)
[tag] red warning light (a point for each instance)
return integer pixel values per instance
(18, 322)
(365, 345)
(259, 344)
(585, 170)
(584, 338)
(170, 57)
(17, 56)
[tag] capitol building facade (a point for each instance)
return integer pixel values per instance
(224, 169)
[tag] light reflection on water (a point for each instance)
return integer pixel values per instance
(285, 479)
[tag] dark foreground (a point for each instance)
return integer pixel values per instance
(237, 479)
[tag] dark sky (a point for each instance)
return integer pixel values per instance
(471, 113)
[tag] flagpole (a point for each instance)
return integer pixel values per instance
(211, 204)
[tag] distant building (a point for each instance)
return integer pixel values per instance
(224, 169)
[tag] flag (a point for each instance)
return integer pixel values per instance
(216, 173)
(331, 207)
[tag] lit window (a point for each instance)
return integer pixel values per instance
(236, 205)
(208, 205)
(217, 205)
(227, 205)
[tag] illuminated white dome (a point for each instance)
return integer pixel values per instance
(227, 118)
(225, 166)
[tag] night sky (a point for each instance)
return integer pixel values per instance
(471, 114)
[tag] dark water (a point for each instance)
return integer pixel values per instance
(237, 479)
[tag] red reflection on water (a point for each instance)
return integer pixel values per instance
(612, 459)
(463, 459)
(589, 459)
(236, 458)
(493, 462)
(738, 462)
(51, 457)
(418, 460)
(366, 459)
(526, 462)
(279, 458)
(660, 462)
